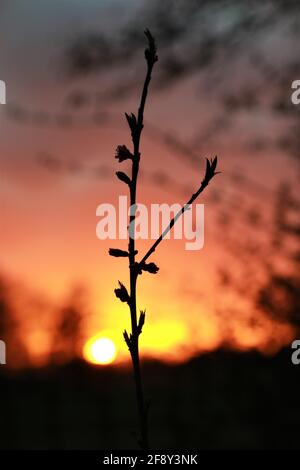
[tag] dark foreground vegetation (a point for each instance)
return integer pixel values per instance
(220, 400)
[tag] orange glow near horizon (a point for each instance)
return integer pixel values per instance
(174, 332)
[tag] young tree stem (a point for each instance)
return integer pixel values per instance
(142, 409)
(136, 125)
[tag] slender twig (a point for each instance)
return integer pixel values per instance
(136, 125)
(181, 211)
(134, 345)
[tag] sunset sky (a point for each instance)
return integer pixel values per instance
(58, 133)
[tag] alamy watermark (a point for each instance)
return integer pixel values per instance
(2, 92)
(296, 354)
(2, 352)
(295, 96)
(151, 222)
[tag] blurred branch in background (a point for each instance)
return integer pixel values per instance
(68, 332)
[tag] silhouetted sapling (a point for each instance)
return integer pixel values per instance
(137, 267)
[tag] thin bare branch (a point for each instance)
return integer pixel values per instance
(209, 174)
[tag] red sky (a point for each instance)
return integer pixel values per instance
(48, 214)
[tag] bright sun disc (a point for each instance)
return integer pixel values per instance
(100, 350)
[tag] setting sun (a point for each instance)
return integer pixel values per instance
(100, 350)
